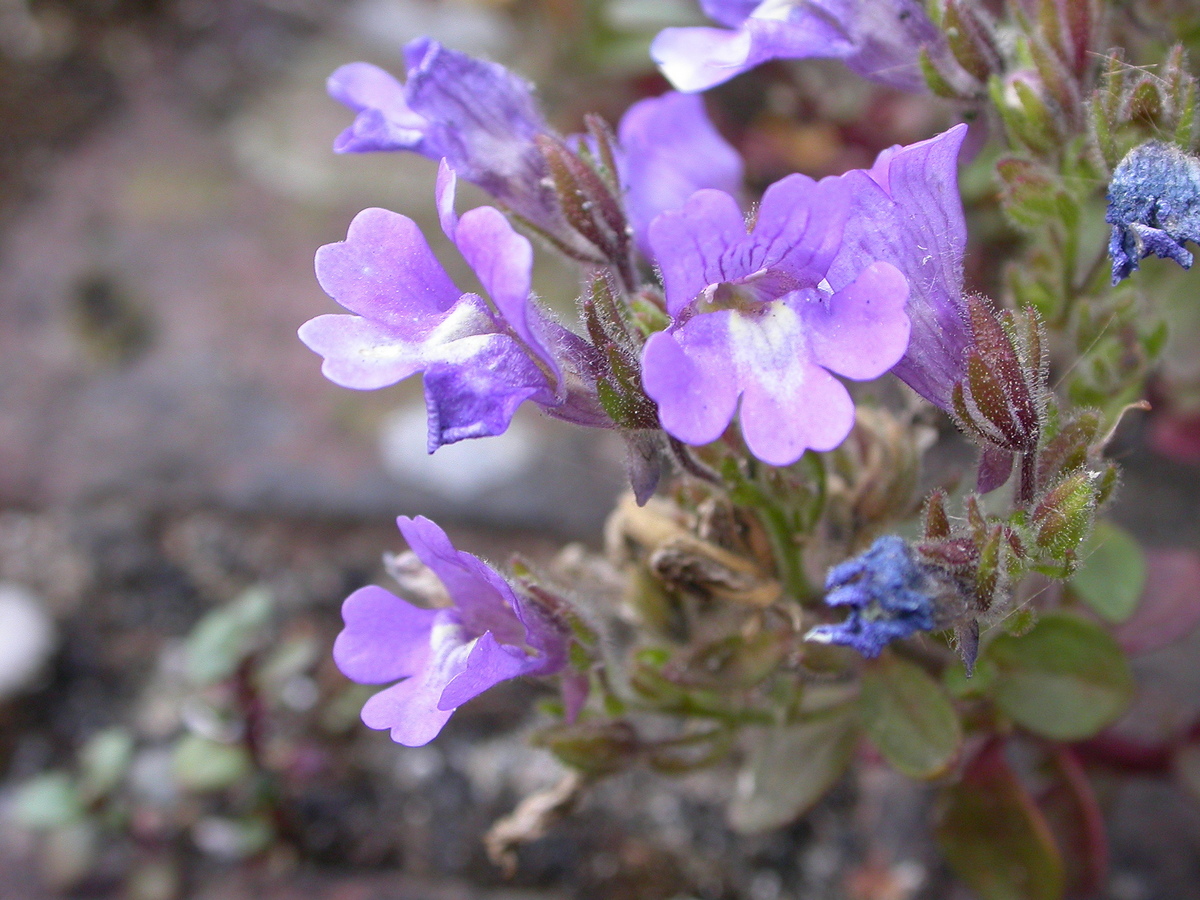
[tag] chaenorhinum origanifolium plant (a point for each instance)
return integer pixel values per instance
(792, 586)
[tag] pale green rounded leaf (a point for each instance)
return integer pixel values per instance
(48, 801)
(1111, 573)
(227, 636)
(1065, 679)
(790, 768)
(909, 718)
(203, 765)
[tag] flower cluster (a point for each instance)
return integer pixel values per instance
(758, 315)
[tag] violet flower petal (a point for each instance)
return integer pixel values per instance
(365, 355)
(477, 115)
(503, 260)
(906, 211)
(788, 410)
(415, 320)
(445, 656)
(690, 245)
(484, 599)
(385, 638)
(488, 664)
(410, 709)
(384, 120)
(475, 386)
(482, 118)
(798, 228)
(685, 372)
(863, 330)
(729, 12)
(789, 403)
(384, 270)
(670, 150)
(878, 39)
(696, 59)
(704, 244)
(445, 191)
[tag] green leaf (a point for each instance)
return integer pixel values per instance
(103, 762)
(909, 718)
(227, 636)
(994, 837)
(203, 765)
(1064, 679)
(790, 768)
(1111, 573)
(47, 802)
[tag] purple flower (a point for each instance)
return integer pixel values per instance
(1153, 207)
(906, 210)
(878, 39)
(670, 150)
(755, 318)
(889, 593)
(478, 116)
(480, 361)
(441, 658)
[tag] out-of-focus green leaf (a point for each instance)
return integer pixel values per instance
(291, 658)
(226, 636)
(994, 837)
(48, 801)
(978, 685)
(596, 748)
(233, 839)
(1064, 679)
(790, 768)
(203, 765)
(909, 718)
(1111, 573)
(103, 762)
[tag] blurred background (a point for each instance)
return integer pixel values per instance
(185, 501)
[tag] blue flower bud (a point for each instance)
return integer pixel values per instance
(1153, 207)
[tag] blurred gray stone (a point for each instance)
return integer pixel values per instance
(149, 346)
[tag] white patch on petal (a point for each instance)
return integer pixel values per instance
(772, 340)
(773, 10)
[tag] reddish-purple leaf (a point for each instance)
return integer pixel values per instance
(1170, 604)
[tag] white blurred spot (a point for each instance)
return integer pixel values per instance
(457, 471)
(27, 638)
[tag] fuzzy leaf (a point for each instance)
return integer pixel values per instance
(1065, 678)
(994, 837)
(1170, 604)
(908, 717)
(790, 768)
(1111, 573)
